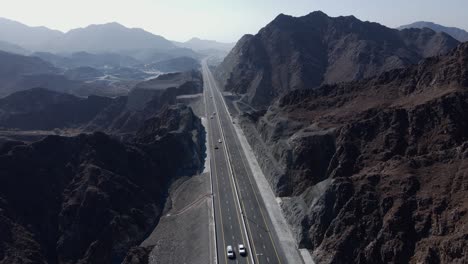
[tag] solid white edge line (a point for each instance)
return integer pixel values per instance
(211, 180)
(232, 175)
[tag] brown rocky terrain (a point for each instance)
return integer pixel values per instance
(46, 110)
(90, 198)
(374, 171)
(305, 52)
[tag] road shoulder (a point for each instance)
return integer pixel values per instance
(280, 225)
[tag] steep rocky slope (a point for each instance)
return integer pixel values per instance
(305, 52)
(14, 68)
(90, 198)
(374, 171)
(42, 109)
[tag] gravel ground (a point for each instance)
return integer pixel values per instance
(183, 234)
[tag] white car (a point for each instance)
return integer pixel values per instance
(230, 252)
(242, 250)
(219, 141)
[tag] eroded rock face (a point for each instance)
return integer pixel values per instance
(374, 171)
(89, 198)
(306, 52)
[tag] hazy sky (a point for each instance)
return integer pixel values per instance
(223, 20)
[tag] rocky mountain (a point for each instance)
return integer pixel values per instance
(457, 33)
(203, 45)
(31, 38)
(179, 64)
(14, 65)
(305, 52)
(102, 38)
(12, 48)
(111, 37)
(149, 56)
(17, 69)
(19, 73)
(176, 79)
(43, 109)
(90, 198)
(83, 73)
(86, 59)
(166, 87)
(373, 171)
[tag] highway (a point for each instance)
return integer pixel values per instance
(240, 214)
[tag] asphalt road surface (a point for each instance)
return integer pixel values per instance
(240, 213)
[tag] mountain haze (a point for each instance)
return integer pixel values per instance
(203, 44)
(457, 33)
(31, 38)
(111, 37)
(12, 48)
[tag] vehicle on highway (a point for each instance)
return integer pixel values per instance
(230, 252)
(219, 141)
(214, 113)
(216, 147)
(242, 250)
(211, 117)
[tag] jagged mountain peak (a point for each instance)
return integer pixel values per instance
(304, 52)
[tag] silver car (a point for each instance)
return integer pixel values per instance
(230, 252)
(242, 250)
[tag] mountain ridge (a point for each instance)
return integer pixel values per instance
(45, 39)
(363, 167)
(303, 52)
(457, 33)
(199, 44)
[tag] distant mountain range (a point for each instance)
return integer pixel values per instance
(109, 37)
(12, 48)
(112, 37)
(180, 64)
(31, 38)
(82, 59)
(203, 45)
(457, 33)
(304, 52)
